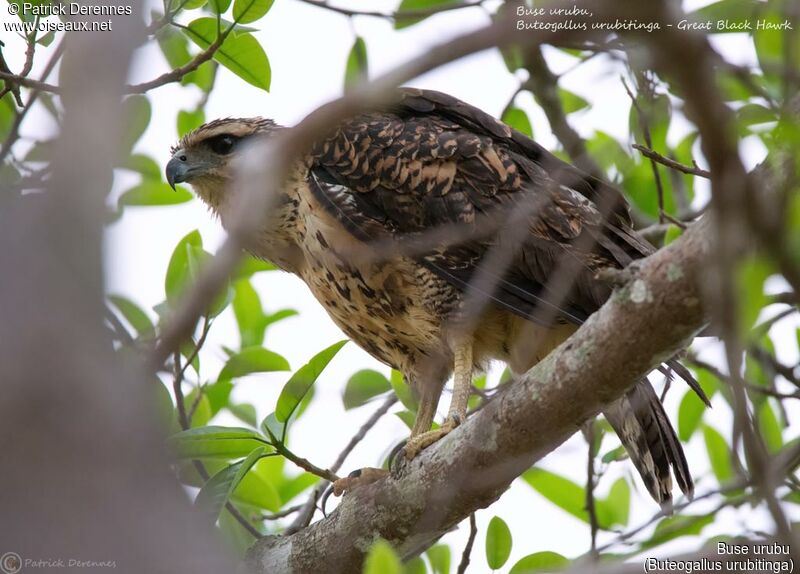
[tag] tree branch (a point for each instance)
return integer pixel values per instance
(470, 468)
(671, 163)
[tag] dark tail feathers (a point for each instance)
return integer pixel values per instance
(646, 433)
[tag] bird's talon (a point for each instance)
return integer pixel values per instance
(424, 440)
(358, 478)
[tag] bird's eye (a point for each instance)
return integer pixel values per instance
(223, 145)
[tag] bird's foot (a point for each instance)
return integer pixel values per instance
(415, 444)
(357, 479)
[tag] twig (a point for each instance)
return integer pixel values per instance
(362, 432)
(199, 345)
(787, 298)
(9, 86)
(645, 124)
(30, 50)
(544, 85)
(625, 536)
(13, 133)
(671, 163)
(281, 514)
(307, 510)
(118, 327)
(196, 402)
(591, 509)
(177, 74)
(183, 419)
(765, 357)
(29, 83)
(305, 464)
(177, 380)
(473, 531)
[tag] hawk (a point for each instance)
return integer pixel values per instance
(472, 225)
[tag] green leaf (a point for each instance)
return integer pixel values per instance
(677, 526)
(202, 413)
(754, 114)
(793, 497)
(249, 265)
(415, 566)
(297, 387)
(673, 232)
(416, 5)
(203, 77)
(619, 502)
(769, 427)
(256, 490)
(7, 114)
(297, 485)
(245, 413)
(178, 267)
(403, 391)
(233, 534)
(188, 121)
(362, 386)
(219, 6)
(571, 102)
(142, 164)
(357, 68)
(772, 43)
(152, 192)
(691, 410)
(253, 360)
(246, 11)
(439, 557)
(215, 442)
(184, 267)
(518, 119)
(279, 315)
(615, 454)
(382, 559)
(174, 47)
(133, 314)
(539, 562)
(718, 454)
(218, 394)
(751, 274)
(216, 492)
(273, 428)
(567, 495)
(249, 314)
(136, 111)
(608, 152)
(637, 182)
(240, 52)
(407, 417)
(178, 271)
(498, 543)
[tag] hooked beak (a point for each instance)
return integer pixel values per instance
(177, 169)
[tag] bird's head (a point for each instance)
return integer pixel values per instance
(206, 156)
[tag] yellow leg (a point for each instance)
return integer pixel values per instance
(421, 437)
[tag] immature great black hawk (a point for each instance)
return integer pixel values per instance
(463, 191)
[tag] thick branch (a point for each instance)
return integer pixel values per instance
(470, 468)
